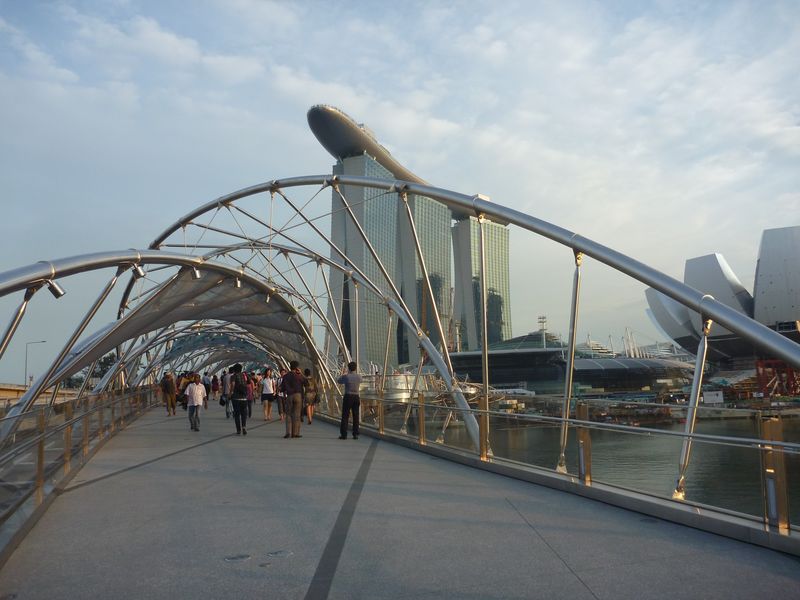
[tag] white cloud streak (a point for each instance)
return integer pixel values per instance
(664, 132)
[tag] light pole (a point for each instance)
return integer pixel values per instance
(25, 383)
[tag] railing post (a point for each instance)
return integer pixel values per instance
(584, 445)
(381, 415)
(483, 421)
(691, 413)
(112, 423)
(68, 436)
(356, 324)
(86, 427)
(561, 467)
(421, 418)
(100, 418)
(40, 458)
(386, 352)
(773, 474)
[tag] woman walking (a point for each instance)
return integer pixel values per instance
(267, 393)
(309, 393)
(215, 389)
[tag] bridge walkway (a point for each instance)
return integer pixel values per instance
(164, 512)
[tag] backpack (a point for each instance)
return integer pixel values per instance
(239, 386)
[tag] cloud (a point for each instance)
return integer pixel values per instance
(264, 15)
(233, 70)
(37, 64)
(142, 47)
(664, 134)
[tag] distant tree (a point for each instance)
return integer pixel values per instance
(104, 364)
(74, 382)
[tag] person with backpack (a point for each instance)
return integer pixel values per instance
(239, 399)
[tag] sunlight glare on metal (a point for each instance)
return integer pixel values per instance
(195, 273)
(55, 289)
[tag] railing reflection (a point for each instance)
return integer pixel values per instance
(50, 443)
(744, 463)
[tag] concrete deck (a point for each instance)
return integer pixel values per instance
(164, 512)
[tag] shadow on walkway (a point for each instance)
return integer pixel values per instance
(164, 512)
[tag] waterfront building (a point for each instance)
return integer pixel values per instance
(386, 224)
(775, 301)
(377, 213)
(467, 302)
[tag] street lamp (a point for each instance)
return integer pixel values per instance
(25, 383)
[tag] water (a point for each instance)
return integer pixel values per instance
(718, 475)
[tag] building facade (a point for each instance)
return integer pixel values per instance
(467, 297)
(385, 222)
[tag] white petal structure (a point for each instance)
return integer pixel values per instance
(777, 284)
(775, 303)
(712, 274)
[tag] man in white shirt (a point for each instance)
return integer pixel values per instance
(196, 395)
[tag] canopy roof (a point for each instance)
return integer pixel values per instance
(215, 296)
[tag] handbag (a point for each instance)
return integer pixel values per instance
(221, 401)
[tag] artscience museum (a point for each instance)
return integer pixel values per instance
(775, 301)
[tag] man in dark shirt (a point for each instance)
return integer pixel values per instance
(351, 401)
(239, 399)
(292, 387)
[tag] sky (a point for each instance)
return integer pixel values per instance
(665, 130)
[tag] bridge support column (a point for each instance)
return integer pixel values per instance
(584, 445)
(483, 420)
(421, 419)
(40, 457)
(68, 436)
(561, 467)
(691, 414)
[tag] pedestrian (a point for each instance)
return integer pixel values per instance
(351, 401)
(239, 399)
(196, 397)
(215, 389)
(309, 393)
(169, 389)
(281, 397)
(207, 383)
(267, 393)
(183, 382)
(292, 387)
(226, 392)
(249, 380)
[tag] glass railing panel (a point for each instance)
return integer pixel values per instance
(725, 476)
(527, 439)
(792, 462)
(396, 417)
(18, 480)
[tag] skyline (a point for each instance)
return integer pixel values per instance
(665, 132)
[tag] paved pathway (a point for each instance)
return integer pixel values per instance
(163, 512)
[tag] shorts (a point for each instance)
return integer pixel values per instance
(267, 398)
